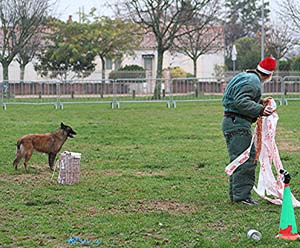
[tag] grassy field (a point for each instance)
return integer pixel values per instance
(150, 177)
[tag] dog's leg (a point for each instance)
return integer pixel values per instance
(19, 156)
(17, 161)
(51, 159)
(27, 158)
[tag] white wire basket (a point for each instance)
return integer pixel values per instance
(69, 168)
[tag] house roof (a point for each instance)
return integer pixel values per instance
(149, 39)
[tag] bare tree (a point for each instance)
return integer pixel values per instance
(28, 52)
(280, 41)
(165, 19)
(208, 39)
(290, 11)
(19, 20)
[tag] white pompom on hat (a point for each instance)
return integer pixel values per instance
(267, 65)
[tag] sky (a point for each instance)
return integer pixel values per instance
(64, 8)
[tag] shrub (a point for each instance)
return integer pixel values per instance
(176, 72)
(128, 71)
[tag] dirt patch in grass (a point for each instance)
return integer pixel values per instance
(35, 174)
(111, 174)
(104, 173)
(287, 146)
(171, 207)
(151, 173)
(288, 141)
(217, 225)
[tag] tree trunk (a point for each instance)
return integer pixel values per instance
(103, 67)
(22, 72)
(157, 89)
(103, 75)
(195, 67)
(5, 71)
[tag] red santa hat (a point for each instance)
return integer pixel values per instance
(267, 65)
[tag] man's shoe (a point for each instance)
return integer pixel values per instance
(249, 202)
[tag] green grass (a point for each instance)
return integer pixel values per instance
(150, 177)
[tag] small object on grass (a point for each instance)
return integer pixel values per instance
(253, 234)
(79, 241)
(69, 168)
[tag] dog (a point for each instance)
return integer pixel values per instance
(45, 143)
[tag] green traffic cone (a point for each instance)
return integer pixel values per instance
(287, 227)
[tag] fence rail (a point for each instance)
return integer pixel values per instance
(121, 91)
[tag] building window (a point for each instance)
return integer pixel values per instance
(117, 64)
(108, 64)
(148, 62)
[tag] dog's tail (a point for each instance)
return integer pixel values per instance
(19, 147)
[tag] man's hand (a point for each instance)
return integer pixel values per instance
(286, 176)
(267, 111)
(266, 100)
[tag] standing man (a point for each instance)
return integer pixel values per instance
(242, 105)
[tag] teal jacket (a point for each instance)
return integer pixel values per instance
(243, 94)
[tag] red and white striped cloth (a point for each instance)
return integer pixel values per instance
(269, 186)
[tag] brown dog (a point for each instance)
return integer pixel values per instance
(46, 143)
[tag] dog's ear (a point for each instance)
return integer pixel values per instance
(62, 126)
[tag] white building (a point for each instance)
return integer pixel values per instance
(145, 56)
